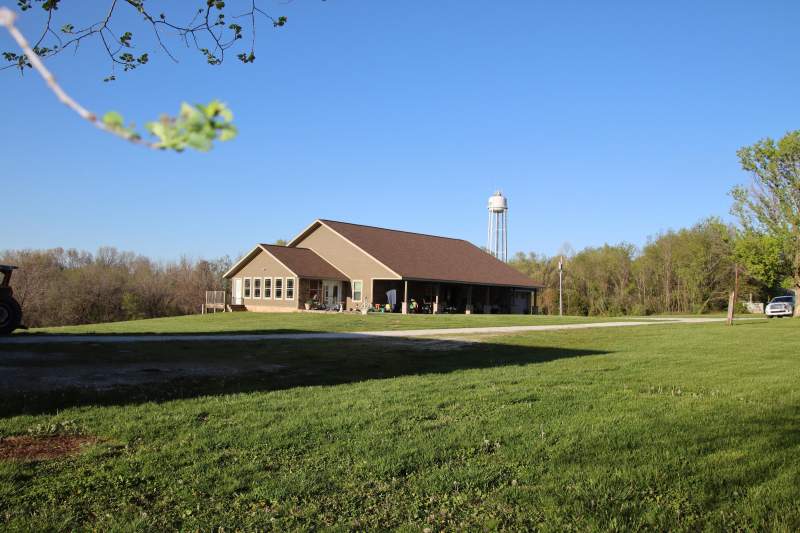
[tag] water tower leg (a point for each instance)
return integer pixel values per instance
(489, 234)
(505, 235)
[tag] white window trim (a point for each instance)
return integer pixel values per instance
(361, 281)
(259, 289)
(264, 288)
(245, 288)
(286, 285)
(274, 293)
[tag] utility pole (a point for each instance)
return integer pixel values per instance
(560, 283)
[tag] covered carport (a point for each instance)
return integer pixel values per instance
(432, 296)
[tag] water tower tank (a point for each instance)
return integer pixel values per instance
(498, 202)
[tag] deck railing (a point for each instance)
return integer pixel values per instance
(215, 298)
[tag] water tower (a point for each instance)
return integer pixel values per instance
(498, 226)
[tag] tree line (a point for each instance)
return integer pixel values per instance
(58, 287)
(691, 270)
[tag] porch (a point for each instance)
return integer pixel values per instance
(323, 294)
(418, 296)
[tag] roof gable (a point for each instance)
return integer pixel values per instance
(302, 262)
(241, 263)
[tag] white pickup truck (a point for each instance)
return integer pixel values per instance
(780, 306)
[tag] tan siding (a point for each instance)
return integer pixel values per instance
(346, 257)
(262, 266)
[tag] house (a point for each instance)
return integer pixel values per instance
(345, 265)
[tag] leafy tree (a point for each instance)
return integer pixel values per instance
(704, 265)
(598, 281)
(771, 206)
(761, 255)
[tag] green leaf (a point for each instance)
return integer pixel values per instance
(228, 132)
(216, 108)
(157, 129)
(226, 114)
(190, 112)
(199, 142)
(114, 120)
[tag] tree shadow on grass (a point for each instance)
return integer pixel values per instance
(45, 336)
(41, 378)
(733, 469)
(24, 337)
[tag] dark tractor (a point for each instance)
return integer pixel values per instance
(10, 311)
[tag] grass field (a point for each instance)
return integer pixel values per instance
(307, 322)
(679, 427)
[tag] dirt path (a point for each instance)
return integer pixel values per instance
(441, 332)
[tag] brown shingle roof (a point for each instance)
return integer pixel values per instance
(304, 262)
(428, 257)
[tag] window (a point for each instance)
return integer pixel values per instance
(358, 287)
(247, 287)
(267, 288)
(256, 287)
(278, 288)
(290, 288)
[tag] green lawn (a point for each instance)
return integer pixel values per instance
(660, 427)
(310, 322)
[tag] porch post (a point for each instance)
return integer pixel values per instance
(488, 307)
(469, 300)
(405, 298)
(436, 301)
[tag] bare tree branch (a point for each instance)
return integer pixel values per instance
(7, 19)
(208, 31)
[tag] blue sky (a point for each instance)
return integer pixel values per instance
(601, 121)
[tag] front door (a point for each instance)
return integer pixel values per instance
(237, 291)
(331, 292)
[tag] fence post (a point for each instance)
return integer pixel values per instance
(731, 304)
(732, 299)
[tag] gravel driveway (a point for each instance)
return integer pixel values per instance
(442, 332)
